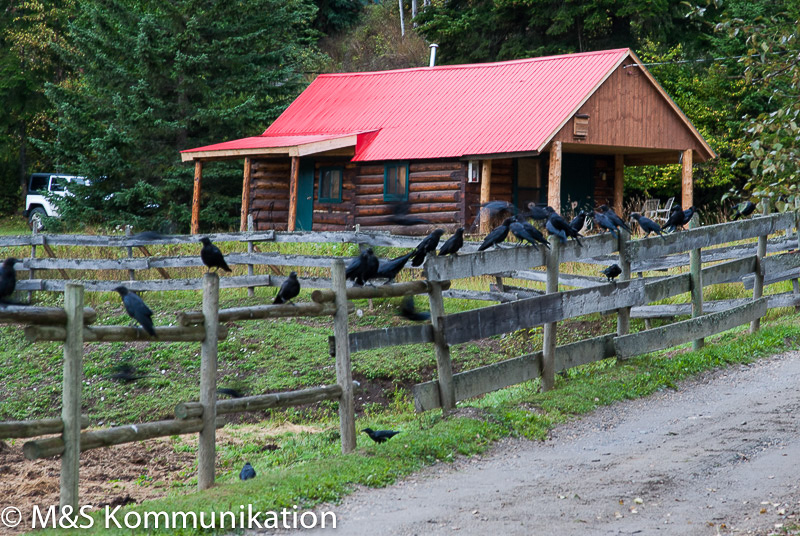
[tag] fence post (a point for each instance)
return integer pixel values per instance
(795, 283)
(31, 271)
(344, 372)
(206, 447)
(696, 274)
(758, 283)
(131, 272)
(444, 366)
(548, 372)
(71, 397)
(251, 291)
(623, 313)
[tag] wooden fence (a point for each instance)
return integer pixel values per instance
(519, 309)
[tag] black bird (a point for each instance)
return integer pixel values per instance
(227, 391)
(428, 244)
(687, 214)
(537, 213)
(379, 436)
(578, 221)
(390, 269)
(289, 289)
(744, 209)
(453, 244)
(647, 225)
(136, 309)
(496, 235)
(604, 223)
(148, 236)
(612, 272)
(212, 256)
(675, 219)
(612, 216)
(409, 312)
(560, 227)
(400, 215)
(522, 234)
(534, 233)
(247, 472)
(8, 278)
(363, 268)
(498, 207)
(126, 373)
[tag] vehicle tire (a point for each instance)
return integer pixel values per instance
(36, 218)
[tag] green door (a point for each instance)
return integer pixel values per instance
(305, 195)
(577, 182)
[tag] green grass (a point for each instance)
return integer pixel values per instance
(308, 468)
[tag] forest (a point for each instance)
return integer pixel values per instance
(114, 89)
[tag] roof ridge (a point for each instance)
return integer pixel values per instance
(485, 65)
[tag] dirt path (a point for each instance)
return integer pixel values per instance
(720, 455)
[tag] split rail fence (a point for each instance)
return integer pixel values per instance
(519, 309)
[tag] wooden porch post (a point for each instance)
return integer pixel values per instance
(486, 187)
(245, 194)
(198, 179)
(554, 177)
(619, 182)
(295, 175)
(687, 185)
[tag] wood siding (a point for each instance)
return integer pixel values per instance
(626, 111)
(436, 194)
(502, 189)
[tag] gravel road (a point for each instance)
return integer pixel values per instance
(721, 455)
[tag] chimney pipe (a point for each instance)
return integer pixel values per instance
(434, 46)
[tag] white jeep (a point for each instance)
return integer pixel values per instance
(37, 204)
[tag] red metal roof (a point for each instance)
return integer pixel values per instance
(265, 141)
(446, 111)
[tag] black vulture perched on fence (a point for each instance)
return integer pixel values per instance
(496, 235)
(390, 269)
(560, 227)
(453, 244)
(612, 272)
(428, 244)
(647, 225)
(289, 289)
(363, 268)
(744, 209)
(613, 218)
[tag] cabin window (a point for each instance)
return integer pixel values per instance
(330, 184)
(395, 182)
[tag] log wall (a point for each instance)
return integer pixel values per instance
(269, 194)
(501, 189)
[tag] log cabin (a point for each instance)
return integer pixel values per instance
(446, 139)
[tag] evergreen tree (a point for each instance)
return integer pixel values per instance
(153, 78)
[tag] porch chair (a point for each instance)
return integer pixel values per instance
(650, 207)
(662, 214)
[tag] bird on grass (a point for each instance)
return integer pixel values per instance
(612, 272)
(560, 227)
(8, 278)
(527, 232)
(647, 225)
(578, 221)
(409, 312)
(496, 235)
(380, 436)
(126, 373)
(744, 209)
(212, 256)
(228, 391)
(453, 244)
(606, 224)
(136, 309)
(247, 472)
(428, 244)
(390, 269)
(400, 215)
(289, 289)
(363, 268)
(612, 216)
